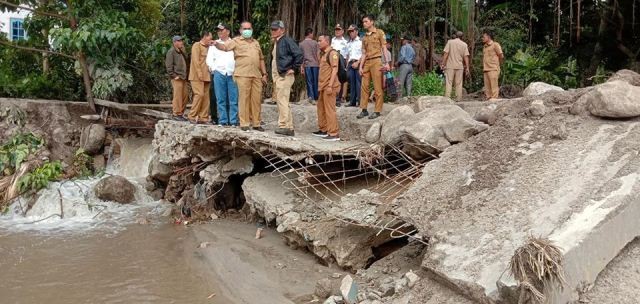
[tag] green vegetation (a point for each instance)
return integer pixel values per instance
(16, 150)
(82, 164)
(40, 177)
(428, 84)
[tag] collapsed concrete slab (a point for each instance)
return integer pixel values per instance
(482, 199)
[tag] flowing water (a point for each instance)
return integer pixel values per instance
(71, 247)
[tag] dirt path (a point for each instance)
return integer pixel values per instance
(241, 269)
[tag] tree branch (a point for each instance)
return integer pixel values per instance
(26, 8)
(36, 50)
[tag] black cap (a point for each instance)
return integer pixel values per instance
(222, 26)
(278, 24)
(176, 38)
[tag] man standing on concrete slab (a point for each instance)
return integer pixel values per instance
(405, 66)
(329, 86)
(222, 64)
(310, 64)
(250, 75)
(339, 43)
(200, 80)
(492, 58)
(287, 59)
(354, 49)
(454, 62)
(178, 70)
(372, 65)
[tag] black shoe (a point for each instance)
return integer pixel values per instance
(374, 115)
(261, 129)
(244, 128)
(320, 134)
(331, 138)
(285, 132)
(178, 118)
(363, 114)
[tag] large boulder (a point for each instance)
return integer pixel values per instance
(116, 189)
(629, 76)
(614, 99)
(92, 138)
(487, 114)
(159, 171)
(392, 122)
(539, 88)
(374, 132)
(425, 102)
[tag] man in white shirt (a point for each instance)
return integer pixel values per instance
(354, 53)
(221, 65)
(339, 43)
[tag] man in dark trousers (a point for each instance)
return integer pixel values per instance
(287, 59)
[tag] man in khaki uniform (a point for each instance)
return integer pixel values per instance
(329, 86)
(178, 70)
(491, 60)
(372, 62)
(454, 62)
(200, 80)
(250, 75)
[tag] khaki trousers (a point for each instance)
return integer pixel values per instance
(201, 99)
(327, 117)
(283, 93)
(249, 100)
(371, 72)
(453, 78)
(180, 96)
(491, 88)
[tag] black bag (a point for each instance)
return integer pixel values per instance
(342, 67)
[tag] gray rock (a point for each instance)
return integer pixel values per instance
(373, 135)
(487, 114)
(539, 88)
(99, 163)
(412, 278)
(92, 138)
(334, 300)
(60, 136)
(157, 194)
(614, 99)
(401, 285)
(393, 121)
(629, 76)
(387, 289)
(426, 102)
(238, 165)
(560, 132)
(159, 171)
(537, 108)
(323, 288)
(349, 290)
(115, 188)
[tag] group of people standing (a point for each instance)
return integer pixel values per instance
(331, 66)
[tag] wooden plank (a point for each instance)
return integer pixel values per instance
(127, 107)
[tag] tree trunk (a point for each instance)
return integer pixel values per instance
(578, 30)
(596, 58)
(432, 33)
(45, 33)
(86, 77)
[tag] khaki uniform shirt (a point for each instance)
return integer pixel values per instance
(248, 55)
(457, 50)
(199, 71)
(490, 59)
(373, 43)
(326, 69)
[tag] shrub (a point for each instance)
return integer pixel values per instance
(40, 177)
(428, 84)
(16, 150)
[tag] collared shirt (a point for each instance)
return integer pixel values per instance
(373, 43)
(310, 51)
(220, 61)
(354, 48)
(340, 45)
(407, 54)
(248, 55)
(199, 70)
(490, 58)
(457, 50)
(326, 69)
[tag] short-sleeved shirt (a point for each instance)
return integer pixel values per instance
(310, 51)
(490, 58)
(372, 44)
(326, 67)
(457, 50)
(354, 47)
(248, 55)
(340, 45)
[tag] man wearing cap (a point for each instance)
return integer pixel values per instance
(310, 64)
(176, 63)
(455, 61)
(221, 64)
(339, 43)
(287, 59)
(354, 53)
(200, 80)
(405, 66)
(373, 62)
(249, 74)
(329, 85)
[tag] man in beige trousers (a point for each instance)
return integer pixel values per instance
(455, 64)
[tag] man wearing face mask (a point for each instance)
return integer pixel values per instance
(250, 74)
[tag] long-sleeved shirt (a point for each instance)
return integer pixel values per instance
(221, 61)
(407, 54)
(198, 69)
(354, 49)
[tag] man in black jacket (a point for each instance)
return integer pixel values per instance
(287, 58)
